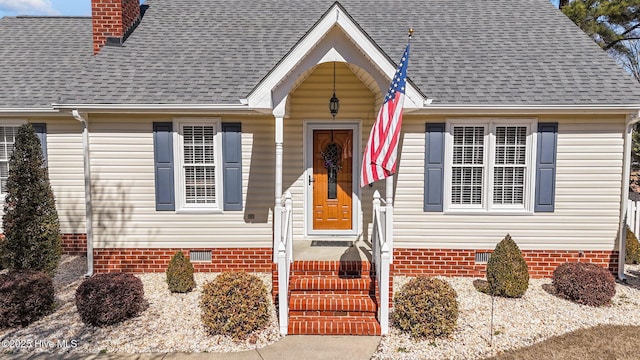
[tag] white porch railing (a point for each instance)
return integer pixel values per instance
(285, 258)
(633, 216)
(382, 250)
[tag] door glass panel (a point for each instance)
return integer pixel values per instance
(332, 156)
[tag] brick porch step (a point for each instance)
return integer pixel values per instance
(321, 283)
(320, 325)
(328, 268)
(332, 298)
(332, 302)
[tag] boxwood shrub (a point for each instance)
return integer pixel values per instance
(425, 308)
(507, 271)
(180, 274)
(235, 304)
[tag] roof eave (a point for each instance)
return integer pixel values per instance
(527, 109)
(154, 108)
(27, 111)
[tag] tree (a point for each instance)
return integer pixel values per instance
(30, 221)
(615, 26)
(612, 24)
(630, 58)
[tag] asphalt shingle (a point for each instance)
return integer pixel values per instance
(41, 56)
(215, 52)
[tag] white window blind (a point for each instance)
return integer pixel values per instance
(489, 165)
(468, 165)
(509, 165)
(7, 141)
(199, 164)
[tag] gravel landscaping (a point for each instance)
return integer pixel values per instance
(172, 323)
(537, 316)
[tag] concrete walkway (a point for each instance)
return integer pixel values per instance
(294, 347)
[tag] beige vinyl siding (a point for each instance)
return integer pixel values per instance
(589, 167)
(66, 172)
(310, 102)
(122, 166)
(588, 185)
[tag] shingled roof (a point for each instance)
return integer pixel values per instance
(40, 56)
(497, 52)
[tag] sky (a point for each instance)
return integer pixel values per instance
(45, 7)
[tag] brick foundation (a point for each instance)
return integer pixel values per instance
(141, 260)
(74, 244)
(453, 262)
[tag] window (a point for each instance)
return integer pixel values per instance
(467, 172)
(198, 160)
(7, 141)
(490, 164)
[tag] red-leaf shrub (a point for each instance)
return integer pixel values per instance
(584, 283)
(25, 296)
(107, 299)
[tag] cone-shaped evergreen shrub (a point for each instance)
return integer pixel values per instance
(507, 272)
(425, 308)
(235, 304)
(632, 254)
(30, 221)
(180, 274)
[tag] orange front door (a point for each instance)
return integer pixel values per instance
(332, 179)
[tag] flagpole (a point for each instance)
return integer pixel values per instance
(389, 199)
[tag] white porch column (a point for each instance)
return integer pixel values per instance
(389, 215)
(278, 113)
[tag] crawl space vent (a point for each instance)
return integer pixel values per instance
(482, 257)
(199, 256)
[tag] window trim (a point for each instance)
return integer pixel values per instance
(178, 156)
(12, 123)
(487, 206)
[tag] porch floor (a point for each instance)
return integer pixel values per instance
(360, 251)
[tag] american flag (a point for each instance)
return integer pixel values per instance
(380, 155)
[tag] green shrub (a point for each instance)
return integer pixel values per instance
(584, 283)
(425, 308)
(25, 296)
(632, 254)
(180, 274)
(30, 220)
(507, 271)
(234, 304)
(107, 299)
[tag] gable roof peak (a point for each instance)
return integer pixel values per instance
(321, 43)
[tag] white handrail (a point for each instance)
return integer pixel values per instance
(285, 258)
(633, 216)
(381, 259)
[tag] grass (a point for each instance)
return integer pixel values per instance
(596, 343)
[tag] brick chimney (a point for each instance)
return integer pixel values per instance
(113, 21)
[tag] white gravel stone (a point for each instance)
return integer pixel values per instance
(537, 316)
(171, 323)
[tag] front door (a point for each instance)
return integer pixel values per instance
(332, 179)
